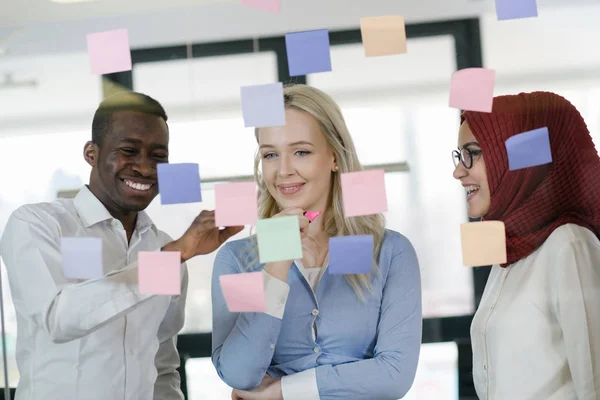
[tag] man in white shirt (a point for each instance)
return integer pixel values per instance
(100, 338)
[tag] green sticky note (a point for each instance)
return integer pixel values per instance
(278, 239)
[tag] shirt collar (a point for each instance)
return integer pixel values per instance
(92, 211)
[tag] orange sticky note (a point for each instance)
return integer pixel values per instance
(244, 292)
(363, 193)
(109, 52)
(483, 243)
(383, 36)
(159, 272)
(236, 204)
(472, 89)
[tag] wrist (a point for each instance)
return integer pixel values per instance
(176, 246)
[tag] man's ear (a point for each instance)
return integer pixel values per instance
(90, 153)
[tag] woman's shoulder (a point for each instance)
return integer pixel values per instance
(241, 251)
(567, 234)
(394, 243)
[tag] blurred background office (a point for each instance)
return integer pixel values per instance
(193, 56)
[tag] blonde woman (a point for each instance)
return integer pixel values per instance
(323, 336)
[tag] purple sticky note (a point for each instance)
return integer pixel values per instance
(273, 6)
(179, 183)
(350, 254)
(81, 257)
(308, 52)
(244, 292)
(159, 272)
(529, 149)
(262, 105)
(515, 9)
(109, 52)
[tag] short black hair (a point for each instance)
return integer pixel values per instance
(122, 101)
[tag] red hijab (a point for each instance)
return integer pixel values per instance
(533, 202)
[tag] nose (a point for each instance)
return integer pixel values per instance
(286, 167)
(145, 166)
(460, 171)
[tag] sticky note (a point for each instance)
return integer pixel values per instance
(350, 254)
(159, 272)
(311, 215)
(308, 52)
(244, 292)
(262, 105)
(483, 243)
(363, 193)
(278, 239)
(179, 183)
(81, 257)
(472, 89)
(109, 52)
(529, 149)
(515, 9)
(273, 6)
(236, 204)
(383, 36)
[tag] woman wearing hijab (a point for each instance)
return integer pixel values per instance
(536, 333)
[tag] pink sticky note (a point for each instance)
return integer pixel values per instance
(159, 272)
(109, 51)
(236, 204)
(273, 6)
(364, 193)
(311, 215)
(472, 89)
(244, 292)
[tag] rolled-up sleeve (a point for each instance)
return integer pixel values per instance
(243, 343)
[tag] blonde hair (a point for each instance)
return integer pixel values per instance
(333, 126)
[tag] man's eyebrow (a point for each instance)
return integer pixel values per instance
(139, 143)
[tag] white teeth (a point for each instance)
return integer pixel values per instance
(137, 186)
(471, 189)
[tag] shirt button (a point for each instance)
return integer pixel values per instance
(272, 346)
(316, 349)
(315, 312)
(485, 367)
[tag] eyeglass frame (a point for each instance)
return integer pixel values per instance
(457, 154)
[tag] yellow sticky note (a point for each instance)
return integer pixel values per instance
(383, 36)
(483, 243)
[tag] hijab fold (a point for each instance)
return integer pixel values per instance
(533, 202)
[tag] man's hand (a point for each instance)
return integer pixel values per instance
(202, 237)
(269, 389)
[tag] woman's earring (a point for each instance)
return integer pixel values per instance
(335, 168)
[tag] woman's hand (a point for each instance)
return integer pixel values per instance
(315, 244)
(269, 389)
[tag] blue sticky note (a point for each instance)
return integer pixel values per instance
(515, 9)
(350, 254)
(262, 105)
(179, 183)
(308, 52)
(81, 257)
(529, 149)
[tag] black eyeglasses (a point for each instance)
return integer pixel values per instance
(466, 156)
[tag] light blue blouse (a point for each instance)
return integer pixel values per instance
(363, 349)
